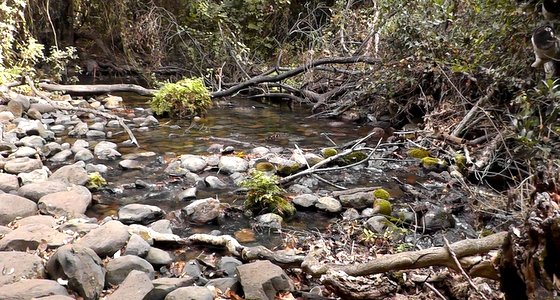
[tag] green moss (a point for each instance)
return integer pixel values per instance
(432, 163)
(95, 181)
(382, 206)
(353, 157)
(183, 99)
(381, 194)
(328, 152)
(460, 161)
(264, 166)
(418, 153)
(285, 170)
(265, 195)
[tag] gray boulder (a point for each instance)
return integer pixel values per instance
(73, 174)
(20, 265)
(329, 204)
(262, 280)
(81, 267)
(22, 164)
(107, 239)
(29, 237)
(191, 293)
(134, 287)
(232, 164)
(71, 203)
(13, 206)
(163, 286)
(193, 163)
(26, 289)
(120, 267)
(158, 257)
(137, 246)
(139, 213)
(203, 210)
(305, 200)
(358, 201)
(36, 190)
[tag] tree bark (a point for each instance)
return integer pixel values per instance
(97, 89)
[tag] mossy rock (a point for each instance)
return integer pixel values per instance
(95, 181)
(460, 161)
(265, 166)
(276, 204)
(381, 194)
(418, 153)
(351, 158)
(285, 170)
(328, 152)
(382, 206)
(433, 164)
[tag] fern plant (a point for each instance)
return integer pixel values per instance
(183, 99)
(265, 195)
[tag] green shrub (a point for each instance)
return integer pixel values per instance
(265, 195)
(183, 99)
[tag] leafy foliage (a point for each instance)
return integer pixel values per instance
(183, 99)
(265, 195)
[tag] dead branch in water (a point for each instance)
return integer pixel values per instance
(82, 89)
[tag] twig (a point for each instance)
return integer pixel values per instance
(454, 256)
(29, 82)
(431, 287)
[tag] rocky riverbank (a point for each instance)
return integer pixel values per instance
(49, 245)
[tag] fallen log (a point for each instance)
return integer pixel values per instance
(95, 89)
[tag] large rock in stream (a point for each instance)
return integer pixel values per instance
(12, 206)
(263, 280)
(70, 203)
(82, 267)
(107, 239)
(139, 213)
(20, 265)
(30, 289)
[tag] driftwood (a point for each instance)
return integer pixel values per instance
(97, 89)
(436, 256)
(287, 74)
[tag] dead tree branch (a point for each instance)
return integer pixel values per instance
(97, 88)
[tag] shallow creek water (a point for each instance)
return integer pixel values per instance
(241, 123)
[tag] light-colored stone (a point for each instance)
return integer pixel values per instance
(20, 265)
(13, 206)
(107, 239)
(27, 289)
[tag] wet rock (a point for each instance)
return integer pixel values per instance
(305, 200)
(191, 293)
(83, 155)
(8, 182)
(16, 108)
(203, 210)
(378, 224)
(20, 265)
(25, 151)
(81, 267)
(130, 164)
(112, 102)
(270, 220)
(106, 150)
(437, 219)
(139, 213)
(80, 226)
(39, 175)
(57, 128)
(69, 203)
(188, 194)
(329, 204)
(37, 219)
(228, 265)
(162, 226)
(174, 169)
(163, 286)
(99, 126)
(260, 151)
(358, 201)
(232, 164)
(107, 239)
(120, 267)
(42, 107)
(6, 116)
(51, 149)
(137, 246)
(351, 214)
(61, 156)
(215, 182)
(150, 121)
(30, 289)
(212, 161)
(34, 191)
(13, 206)
(135, 286)
(33, 141)
(262, 280)
(29, 237)
(22, 164)
(193, 163)
(97, 168)
(158, 257)
(79, 144)
(224, 284)
(34, 114)
(73, 174)
(93, 134)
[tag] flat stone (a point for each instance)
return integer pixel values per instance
(232, 164)
(81, 267)
(163, 286)
(33, 141)
(107, 239)
(25, 151)
(305, 200)
(29, 237)
(13, 206)
(37, 219)
(119, 268)
(8, 182)
(134, 287)
(270, 220)
(34, 191)
(80, 226)
(214, 182)
(193, 163)
(20, 265)
(26, 289)
(162, 226)
(203, 210)
(95, 134)
(83, 155)
(137, 246)
(158, 257)
(130, 164)
(139, 213)
(358, 201)
(22, 164)
(39, 175)
(263, 279)
(329, 204)
(70, 203)
(62, 156)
